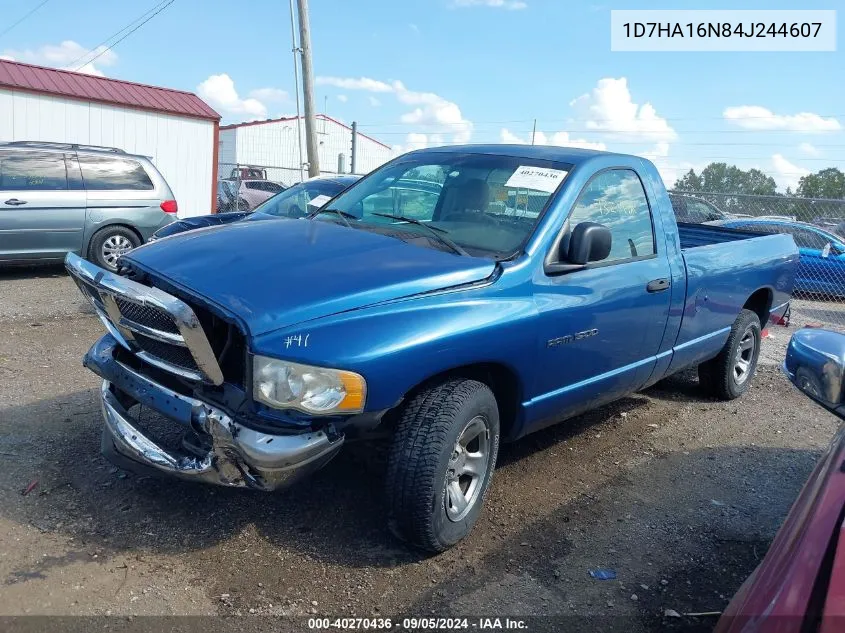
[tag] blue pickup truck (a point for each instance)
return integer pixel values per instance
(526, 285)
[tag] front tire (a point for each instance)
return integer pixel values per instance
(728, 376)
(441, 461)
(109, 243)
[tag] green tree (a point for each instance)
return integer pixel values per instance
(827, 183)
(724, 178)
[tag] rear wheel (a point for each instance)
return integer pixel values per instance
(441, 462)
(728, 376)
(109, 244)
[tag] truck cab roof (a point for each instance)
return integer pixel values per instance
(573, 155)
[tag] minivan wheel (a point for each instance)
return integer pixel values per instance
(728, 376)
(441, 461)
(109, 244)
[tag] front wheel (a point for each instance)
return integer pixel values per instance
(441, 462)
(728, 376)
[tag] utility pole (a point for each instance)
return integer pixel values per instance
(353, 162)
(296, 50)
(308, 90)
(534, 132)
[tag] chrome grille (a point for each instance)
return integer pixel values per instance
(169, 353)
(147, 316)
(158, 328)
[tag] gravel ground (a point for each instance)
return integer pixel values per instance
(679, 494)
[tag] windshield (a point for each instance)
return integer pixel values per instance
(299, 200)
(488, 205)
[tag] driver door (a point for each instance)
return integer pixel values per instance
(600, 327)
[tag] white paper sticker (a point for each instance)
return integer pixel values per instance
(319, 201)
(538, 178)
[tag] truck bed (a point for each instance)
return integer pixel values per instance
(720, 276)
(695, 235)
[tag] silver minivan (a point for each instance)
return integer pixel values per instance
(59, 198)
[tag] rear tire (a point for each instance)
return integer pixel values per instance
(109, 243)
(440, 464)
(729, 375)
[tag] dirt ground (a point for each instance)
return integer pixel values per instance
(678, 494)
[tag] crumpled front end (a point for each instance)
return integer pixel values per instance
(158, 357)
(216, 448)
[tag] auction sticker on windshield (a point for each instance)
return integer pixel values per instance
(539, 178)
(319, 201)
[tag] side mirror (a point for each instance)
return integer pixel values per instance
(815, 363)
(589, 242)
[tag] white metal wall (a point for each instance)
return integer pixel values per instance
(182, 148)
(275, 144)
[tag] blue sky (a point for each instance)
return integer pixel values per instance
(416, 72)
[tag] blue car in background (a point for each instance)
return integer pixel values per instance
(294, 202)
(821, 268)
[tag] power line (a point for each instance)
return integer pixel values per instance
(556, 122)
(141, 21)
(26, 15)
(438, 128)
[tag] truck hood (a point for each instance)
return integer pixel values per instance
(277, 273)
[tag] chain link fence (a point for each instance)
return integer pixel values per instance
(243, 187)
(816, 225)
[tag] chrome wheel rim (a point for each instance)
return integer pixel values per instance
(467, 469)
(744, 357)
(113, 247)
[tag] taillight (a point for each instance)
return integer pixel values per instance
(169, 206)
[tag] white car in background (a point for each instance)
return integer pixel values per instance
(250, 193)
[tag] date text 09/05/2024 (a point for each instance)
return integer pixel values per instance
(721, 29)
(418, 624)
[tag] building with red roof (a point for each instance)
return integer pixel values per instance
(177, 129)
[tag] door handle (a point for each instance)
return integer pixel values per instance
(658, 285)
(14, 202)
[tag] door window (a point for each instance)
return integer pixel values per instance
(105, 173)
(32, 171)
(702, 213)
(265, 185)
(809, 239)
(617, 200)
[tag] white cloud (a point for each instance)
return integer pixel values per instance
(351, 83)
(559, 139)
(414, 28)
(512, 5)
(373, 101)
(68, 56)
(342, 98)
(660, 150)
(760, 118)
(609, 108)
(219, 91)
(270, 95)
(436, 115)
(809, 150)
(787, 174)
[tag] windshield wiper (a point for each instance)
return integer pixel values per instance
(343, 215)
(436, 231)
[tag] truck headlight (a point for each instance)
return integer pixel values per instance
(283, 384)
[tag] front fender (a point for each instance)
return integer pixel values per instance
(398, 345)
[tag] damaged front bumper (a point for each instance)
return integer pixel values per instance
(235, 455)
